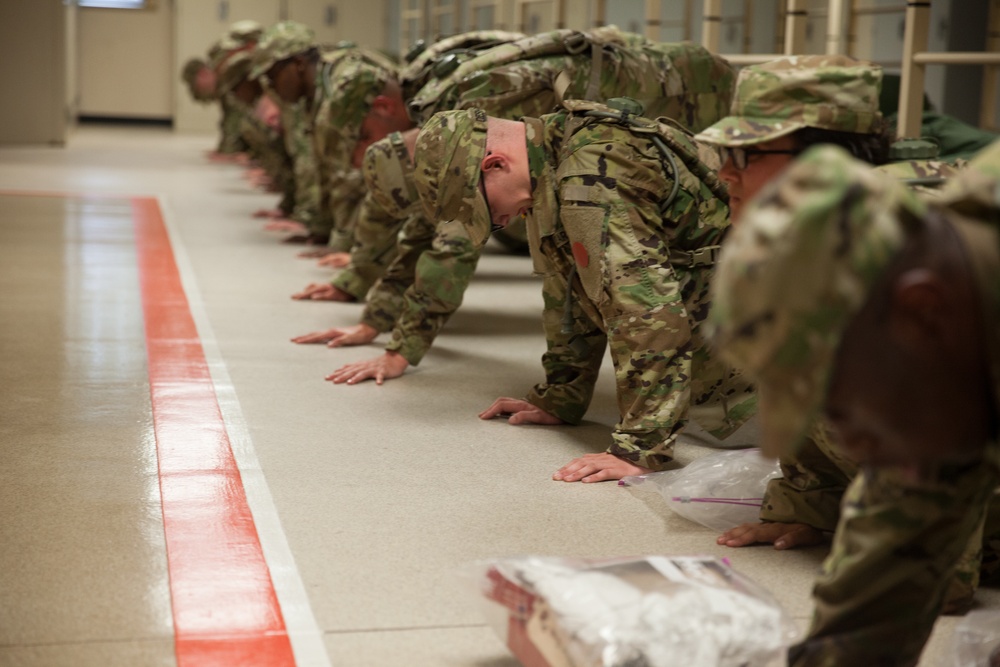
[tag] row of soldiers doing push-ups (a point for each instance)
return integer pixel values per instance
(759, 246)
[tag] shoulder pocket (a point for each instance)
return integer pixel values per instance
(585, 226)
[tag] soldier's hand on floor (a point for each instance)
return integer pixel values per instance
(215, 156)
(598, 468)
(270, 213)
(385, 367)
(316, 253)
(781, 535)
(335, 260)
(286, 225)
(261, 181)
(323, 292)
(359, 334)
(519, 411)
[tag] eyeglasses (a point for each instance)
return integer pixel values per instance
(741, 157)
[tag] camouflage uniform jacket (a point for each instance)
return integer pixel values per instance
(230, 139)
(681, 81)
(297, 130)
(605, 236)
(267, 148)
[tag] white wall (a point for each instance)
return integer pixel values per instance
(33, 71)
(123, 59)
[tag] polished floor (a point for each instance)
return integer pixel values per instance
(179, 485)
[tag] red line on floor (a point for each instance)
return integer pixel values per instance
(225, 608)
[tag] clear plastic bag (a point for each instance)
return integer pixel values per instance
(720, 490)
(654, 611)
(976, 640)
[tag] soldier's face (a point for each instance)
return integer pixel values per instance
(386, 116)
(760, 169)
(247, 91)
(904, 394)
(205, 81)
(285, 79)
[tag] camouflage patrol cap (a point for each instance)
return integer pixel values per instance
(448, 157)
(240, 35)
(389, 176)
(795, 272)
(282, 40)
(782, 96)
(234, 70)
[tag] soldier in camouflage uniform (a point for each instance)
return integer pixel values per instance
(785, 106)
(241, 36)
(780, 108)
(841, 291)
(329, 83)
(681, 81)
(518, 78)
(281, 43)
(622, 216)
(260, 129)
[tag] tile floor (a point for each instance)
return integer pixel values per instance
(368, 500)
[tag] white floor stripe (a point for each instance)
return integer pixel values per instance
(304, 633)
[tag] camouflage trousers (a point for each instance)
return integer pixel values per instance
(900, 551)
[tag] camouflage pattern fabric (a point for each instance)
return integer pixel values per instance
(517, 79)
(233, 71)
(618, 255)
(902, 549)
(279, 42)
(815, 477)
(390, 201)
(783, 96)
(230, 139)
(239, 35)
(267, 148)
(435, 61)
(891, 565)
(351, 82)
(347, 82)
(681, 81)
(297, 130)
(799, 340)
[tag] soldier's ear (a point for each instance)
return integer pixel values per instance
(918, 301)
(493, 161)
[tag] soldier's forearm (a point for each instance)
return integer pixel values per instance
(352, 282)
